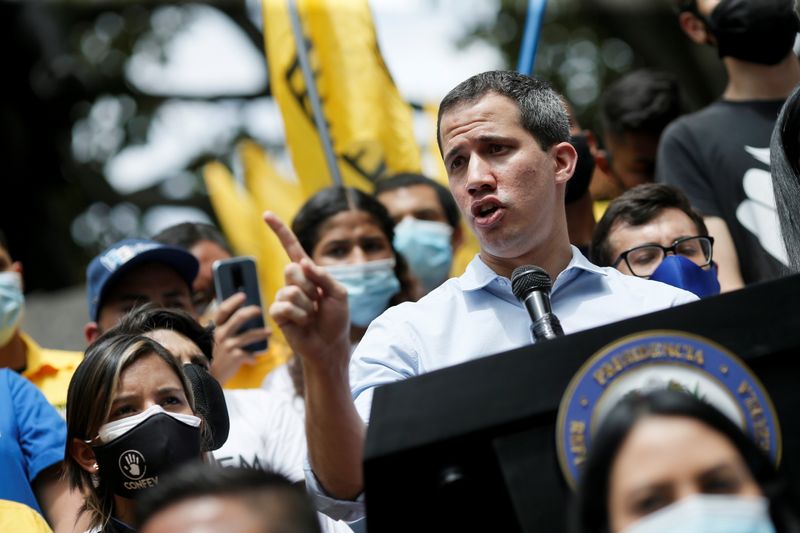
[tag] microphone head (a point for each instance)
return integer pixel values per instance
(527, 278)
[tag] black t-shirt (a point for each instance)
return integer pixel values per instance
(719, 157)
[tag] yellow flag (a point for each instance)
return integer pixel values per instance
(237, 213)
(370, 125)
(271, 191)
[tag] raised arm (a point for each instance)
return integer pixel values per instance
(311, 310)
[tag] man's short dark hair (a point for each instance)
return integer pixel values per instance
(149, 317)
(635, 207)
(187, 234)
(401, 181)
(541, 109)
(268, 495)
(644, 101)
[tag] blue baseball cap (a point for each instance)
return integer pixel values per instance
(124, 255)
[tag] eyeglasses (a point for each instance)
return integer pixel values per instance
(643, 260)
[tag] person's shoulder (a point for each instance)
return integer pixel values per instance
(695, 122)
(653, 292)
(66, 360)
(16, 516)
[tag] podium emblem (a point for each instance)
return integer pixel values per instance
(661, 359)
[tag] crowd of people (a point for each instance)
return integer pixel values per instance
(168, 423)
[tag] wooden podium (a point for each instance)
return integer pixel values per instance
(473, 448)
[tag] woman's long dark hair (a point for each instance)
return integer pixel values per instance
(593, 493)
(785, 169)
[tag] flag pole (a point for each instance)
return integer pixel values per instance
(313, 95)
(530, 36)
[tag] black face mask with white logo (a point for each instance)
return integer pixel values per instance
(139, 449)
(757, 31)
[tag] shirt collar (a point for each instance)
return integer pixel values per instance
(478, 275)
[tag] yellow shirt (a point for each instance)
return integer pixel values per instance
(50, 370)
(15, 516)
(251, 376)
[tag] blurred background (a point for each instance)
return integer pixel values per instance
(110, 109)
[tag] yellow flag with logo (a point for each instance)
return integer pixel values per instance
(369, 124)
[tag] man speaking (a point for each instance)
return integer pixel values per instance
(504, 138)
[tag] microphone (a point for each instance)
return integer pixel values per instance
(531, 285)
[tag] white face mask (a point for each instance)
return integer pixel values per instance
(12, 304)
(117, 428)
(708, 513)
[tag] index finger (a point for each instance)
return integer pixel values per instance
(288, 239)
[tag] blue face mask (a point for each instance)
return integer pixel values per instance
(681, 272)
(12, 304)
(369, 286)
(427, 247)
(708, 513)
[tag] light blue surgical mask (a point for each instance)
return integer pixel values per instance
(708, 513)
(369, 286)
(427, 246)
(12, 304)
(682, 272)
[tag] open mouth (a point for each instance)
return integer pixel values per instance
(486, 212)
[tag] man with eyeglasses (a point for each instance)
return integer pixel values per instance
(651, 231)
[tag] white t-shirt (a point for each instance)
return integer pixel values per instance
(267, 431)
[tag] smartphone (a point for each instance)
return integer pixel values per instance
(238, 274)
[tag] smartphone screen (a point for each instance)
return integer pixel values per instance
(238, 274)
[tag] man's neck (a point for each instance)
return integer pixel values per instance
(751, 81)
(553, 258)
(14, 354)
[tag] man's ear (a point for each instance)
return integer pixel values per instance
(91, 331)
(694, 28)
(16, 266)
(565, 158)
(83, 455)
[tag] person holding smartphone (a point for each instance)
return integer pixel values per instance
(233, 366)
(136, 271)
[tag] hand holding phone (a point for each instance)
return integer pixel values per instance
(236, 275)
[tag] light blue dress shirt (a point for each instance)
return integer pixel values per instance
(477, 315)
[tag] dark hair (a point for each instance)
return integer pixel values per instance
(635, 207)
(644, 101)
(4, 242)
(541, 109)
(331, 201)
(785, 168)
(401, 181)
(149, 317)
(256, 489)
(187, 234)
(593, 492)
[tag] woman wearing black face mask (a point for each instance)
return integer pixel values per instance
(130, 419)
